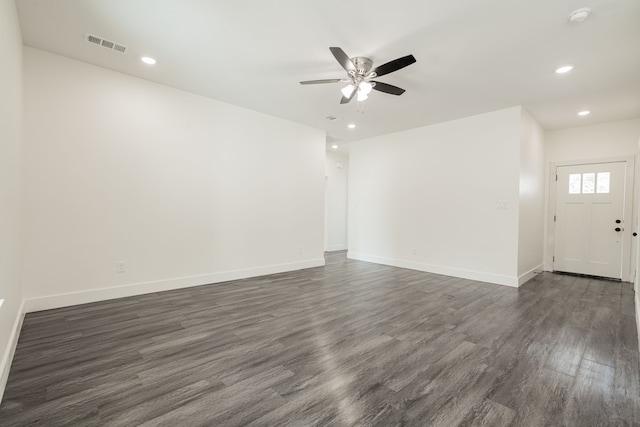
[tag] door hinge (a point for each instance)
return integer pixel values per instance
(554, 218)
(556, 177)
(554, 259)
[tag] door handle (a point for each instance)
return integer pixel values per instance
(618, 229)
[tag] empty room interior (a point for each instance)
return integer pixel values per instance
(296, 213)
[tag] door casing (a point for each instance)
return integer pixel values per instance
(628, 250)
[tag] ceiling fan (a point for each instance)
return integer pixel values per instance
(360, 75)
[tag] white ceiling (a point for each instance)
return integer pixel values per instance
(472, 56)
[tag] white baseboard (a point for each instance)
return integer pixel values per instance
(7, 357)
(334, 248)
(74, 298)
(524, 278)
(480, 276)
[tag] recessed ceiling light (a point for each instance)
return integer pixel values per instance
(584, 113)
(579, 15)
(148, 60)
(334, 146)
(564, 69)
(351, 126)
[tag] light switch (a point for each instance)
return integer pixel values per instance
(502, 204)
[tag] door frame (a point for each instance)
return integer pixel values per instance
(630, 201)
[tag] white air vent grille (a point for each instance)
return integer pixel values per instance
(99, 41)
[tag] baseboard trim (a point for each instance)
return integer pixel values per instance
(74, 298)
(496, 279)
(335, 248)
(7, 357)
(524, 278)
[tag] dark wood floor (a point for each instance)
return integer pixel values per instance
(348, 344)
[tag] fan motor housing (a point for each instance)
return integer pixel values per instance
(363, 65)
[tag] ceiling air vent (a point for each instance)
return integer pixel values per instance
(99, 41)
(120, 48)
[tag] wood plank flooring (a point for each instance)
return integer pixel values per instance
(348, 344)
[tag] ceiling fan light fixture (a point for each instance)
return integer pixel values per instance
(362, 96)
(364, 89)
(347, 90)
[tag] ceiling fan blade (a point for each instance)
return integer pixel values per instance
(387, 88)
(343, 59)
(315, 82)
(394, 65)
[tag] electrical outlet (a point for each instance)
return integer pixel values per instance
(120, 267)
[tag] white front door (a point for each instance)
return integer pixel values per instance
(589, 219)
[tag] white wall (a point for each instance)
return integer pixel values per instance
(183, 189)
(600, 141)
(10, 185)
(337, 173)
(435, 189)
(531, 220)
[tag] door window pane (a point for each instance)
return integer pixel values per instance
(588, 183)
(603, 182)
(574, 183)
